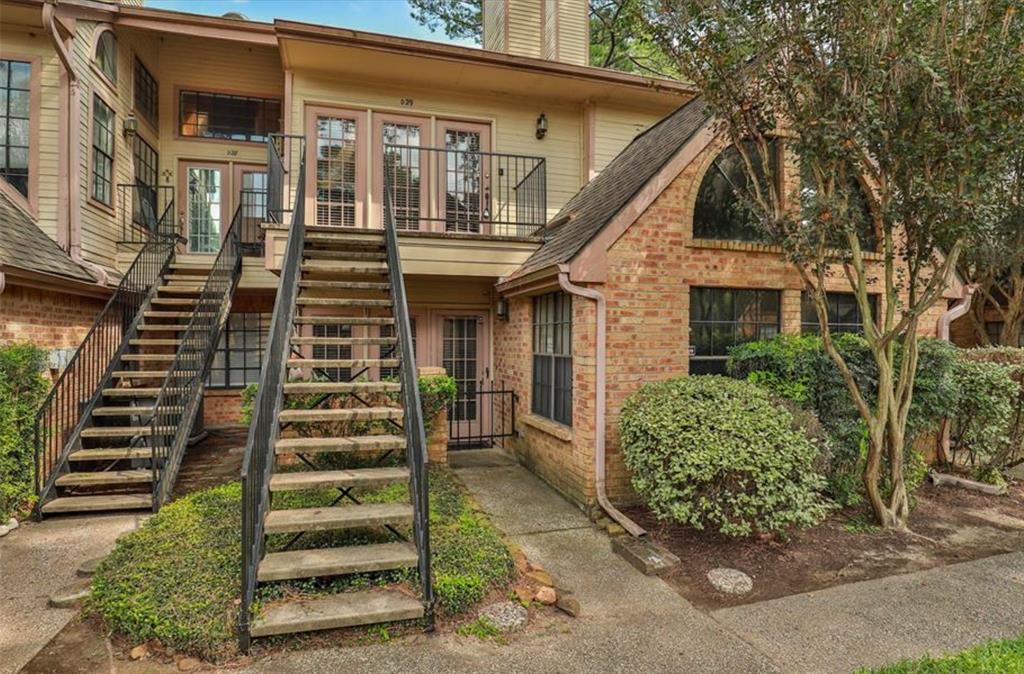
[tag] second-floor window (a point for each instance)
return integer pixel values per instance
(146, 94)
(552, 357)
(844, 314)
(227, 116)
(102, 151)
(106, 55)
(721, 318)
(15, 83)
(722, 211)
(144, 206)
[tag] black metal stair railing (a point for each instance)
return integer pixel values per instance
(415, 433)
(67, 407)
(179, 400)
(264, 430)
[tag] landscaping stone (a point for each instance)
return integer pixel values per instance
(4, 530)
(730, 581)
(13, 524)
(525, 595)
(568, 604)
(546, 595)
(88, 567)
(519, 557)
(540, 576)
(645, 555)
(506, 616)
(614, 529)
(69, 596)
(188, 664)
(139, 652)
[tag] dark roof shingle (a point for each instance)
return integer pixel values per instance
(598, 202)
(24, 246)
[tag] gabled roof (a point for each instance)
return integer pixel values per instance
(24, 246)
(600, 200)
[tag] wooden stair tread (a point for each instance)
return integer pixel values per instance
(343, 362)
(344, 254)
(177, 301)
(344, 320)
(322, 479)
(334, 267)
(125, 411)
(337, 517)
(131, 392)
(340, 610)
(336, 561)
(137, 357)
(71, 504)
(154, 342)
(140, 374)
(345, 285)
(346, 414)
(113, 477)
(341, 302)
(111, 453)
(342, 387)
(346, 341)
(362, 443)
(165, 327)
(120, 431)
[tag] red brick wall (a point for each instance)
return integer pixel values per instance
(222, 407)
(48, 319)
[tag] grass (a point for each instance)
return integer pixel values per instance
(482, 629)
(177, 578)
(997, 657)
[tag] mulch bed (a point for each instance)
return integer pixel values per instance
(948, 525)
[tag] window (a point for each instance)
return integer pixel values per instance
(843, 313)
(239, 354)
(144, 205)
(720, 211)
(552, 357)
(859, 211)
(337, 171)
(333, 351)
(147, 97)
(106, 55)
(994, 331)
(15, 83)
(228, 117)
(721, 318)
(102, 151)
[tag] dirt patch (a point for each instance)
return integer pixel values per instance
(948, 526)
(215, 460)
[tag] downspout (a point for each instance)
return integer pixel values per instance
(71, 151)
(600, 479)
(959, 308)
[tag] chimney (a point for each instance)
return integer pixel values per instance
(558, 30)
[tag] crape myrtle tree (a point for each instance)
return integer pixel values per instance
(995, 261)
(895, 112)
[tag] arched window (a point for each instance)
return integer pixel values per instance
(859, 210)
(720, 211)
(106, 55)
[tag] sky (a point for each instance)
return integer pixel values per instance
(378, 16)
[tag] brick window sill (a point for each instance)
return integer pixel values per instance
(552, 428)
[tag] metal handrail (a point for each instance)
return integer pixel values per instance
(67, 407)
(280, 150)
(140, 206)
(415, 433)
(264, 430)
(179, 401)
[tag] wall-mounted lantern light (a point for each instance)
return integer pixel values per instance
(131, 126)
(542, 126)
(502, 309)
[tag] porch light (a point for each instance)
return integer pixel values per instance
(542, 126)
(502, 309)
(131, 126)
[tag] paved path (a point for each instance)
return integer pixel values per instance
(35, 561)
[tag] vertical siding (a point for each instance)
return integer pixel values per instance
(551, 46)
(21, 41)
(574, 32)
(615, 128)
(494, 25)
(524, 24)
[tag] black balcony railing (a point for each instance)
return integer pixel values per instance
(285, 152)
(466, 192)
(258, 464)
(140, 210)
(69, 403)
(179, 400)
(252, 208)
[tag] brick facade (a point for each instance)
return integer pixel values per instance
(48, 319)
(650, 271)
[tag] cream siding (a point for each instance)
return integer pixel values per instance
(23, 41)
(494, 25)
(574, 32)
(551, 29)
(615, 128)
(524, 26)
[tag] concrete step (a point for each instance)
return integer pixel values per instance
(111, 477)
(351, 414)
(340, 610)
(111, 454)
(346, 341)
(324, 479)
(345, 285)
(131, 392)
(125, 411)
(348, 254)
(74, 504)
(363, 443)
(336, 561)
(140, 374)
(305, 301)
(175, 301)
(122, 431)
(338, 517)
(344, 320)
(343, 362)
(359, 387)
(154, 342)
(334, 267)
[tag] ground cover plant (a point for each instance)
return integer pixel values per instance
(22, 389)
(177, 578)
(997, 657)
(716, 453)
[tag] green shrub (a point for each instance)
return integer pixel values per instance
(22, 389)
(715, 452)
(988, 425)
(437, 392)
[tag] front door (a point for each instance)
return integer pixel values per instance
(465, 176)
(335, 155)
(400, 159)
(204, 209)
(463, 357)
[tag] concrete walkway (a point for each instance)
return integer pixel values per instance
(633, 623)
(35, 561)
